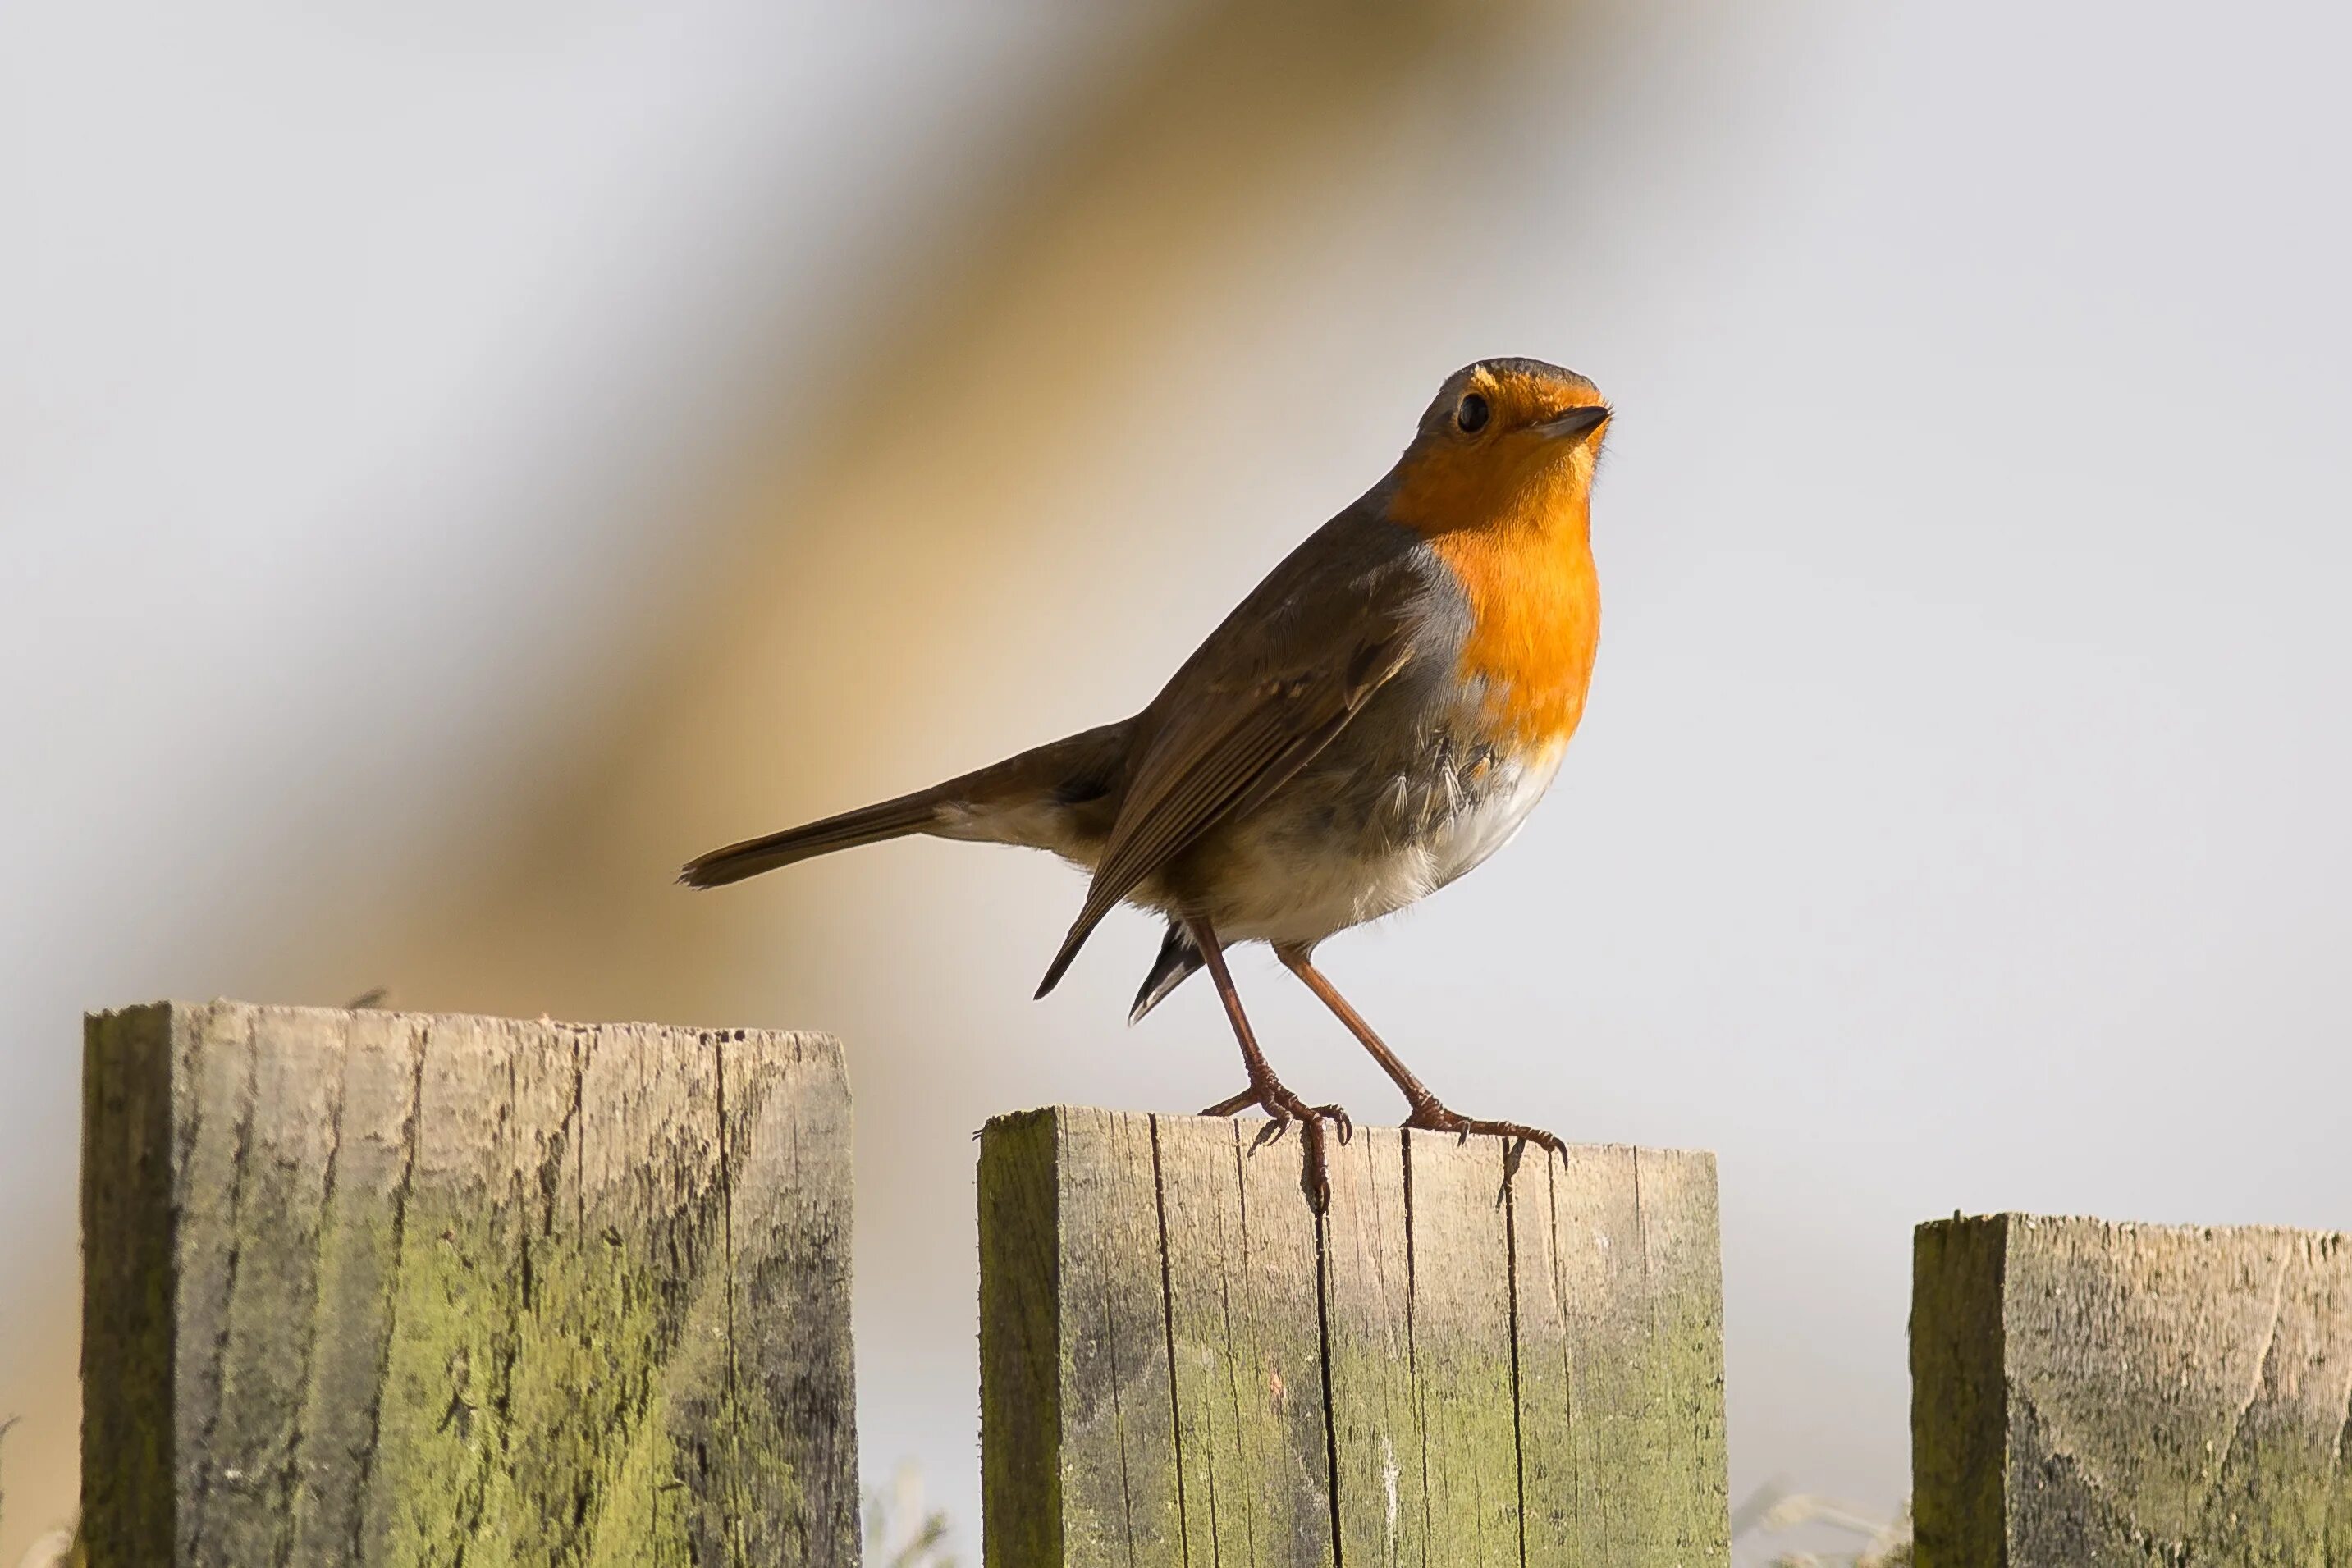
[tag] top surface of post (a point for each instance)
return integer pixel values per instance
(368, 1287)
(1471, 1356)
(2088, 1392)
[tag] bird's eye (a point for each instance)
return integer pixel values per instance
(1472, 415)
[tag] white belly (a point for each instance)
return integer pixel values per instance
(1296, 896)
(1480, 830)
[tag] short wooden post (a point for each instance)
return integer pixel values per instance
(1468, 1359)
(2085, 1394)
(381, 1288)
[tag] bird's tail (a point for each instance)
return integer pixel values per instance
(1178, 962)
(1056, 797)
(867, 825)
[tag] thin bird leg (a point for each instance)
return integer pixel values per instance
(1428, 1113)
(1267, 1092)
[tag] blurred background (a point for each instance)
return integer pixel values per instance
(458, 461)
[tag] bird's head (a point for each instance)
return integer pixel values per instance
(1506, 442)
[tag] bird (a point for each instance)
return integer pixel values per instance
(1373, 721)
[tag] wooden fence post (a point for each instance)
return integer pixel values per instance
(378, 1288)
(1463, 1361)
(2085, 1394)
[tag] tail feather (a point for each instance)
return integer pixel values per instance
(1178, 962)
(1058, 797)
(867, 825)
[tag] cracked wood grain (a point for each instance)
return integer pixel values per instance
(374, 1288)
(1466, 1360)
(2086, 1393)
(1238, 1252)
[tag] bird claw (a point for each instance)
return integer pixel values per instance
(1234, 1106)
(1283, 1107)
(1429, 1116)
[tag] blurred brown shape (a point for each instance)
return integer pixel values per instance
(920, 481)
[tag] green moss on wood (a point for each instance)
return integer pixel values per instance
(2091, 1393)
(1166, 1328)
(460, 1291)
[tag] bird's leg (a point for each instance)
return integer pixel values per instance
(1266, 1090)
(1429, 1113)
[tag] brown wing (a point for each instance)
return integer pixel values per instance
(1268, 690)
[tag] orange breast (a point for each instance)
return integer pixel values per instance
(1535, 624)
(1513, 521)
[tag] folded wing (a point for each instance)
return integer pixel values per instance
(1271, 688)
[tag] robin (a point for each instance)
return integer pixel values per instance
(1375, 719)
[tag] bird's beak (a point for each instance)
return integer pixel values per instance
(1575, 422)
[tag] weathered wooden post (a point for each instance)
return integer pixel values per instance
(379, 1288)
(1466, 1360)
(2085, 1394)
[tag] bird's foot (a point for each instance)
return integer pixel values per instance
(1429, 1116)
(1283, 1108)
